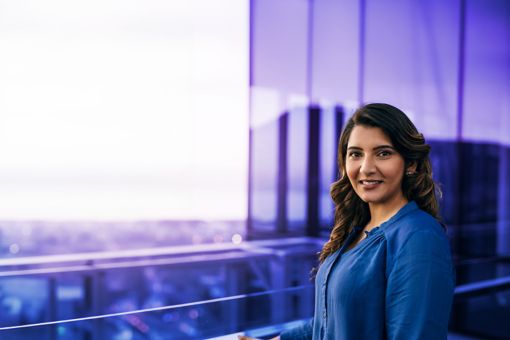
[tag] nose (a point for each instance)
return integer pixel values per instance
(367, 166)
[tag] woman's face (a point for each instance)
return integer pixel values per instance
(374, 168)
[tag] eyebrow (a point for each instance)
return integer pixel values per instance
(376, 148)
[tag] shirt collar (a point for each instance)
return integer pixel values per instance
(406, 209)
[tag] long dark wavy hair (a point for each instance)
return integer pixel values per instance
(350, 210)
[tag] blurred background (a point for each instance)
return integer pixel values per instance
(165, 165)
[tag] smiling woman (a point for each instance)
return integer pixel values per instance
(395, 280)
(374, 168)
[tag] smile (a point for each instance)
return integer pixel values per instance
(370, 182)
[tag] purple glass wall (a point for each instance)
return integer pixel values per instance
(445, 63)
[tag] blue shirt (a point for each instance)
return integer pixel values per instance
(397, 283)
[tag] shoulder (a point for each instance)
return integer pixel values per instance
(414, 230)
(409, 221)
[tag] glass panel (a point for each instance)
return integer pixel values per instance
(297, 167)
(46, 289)
(264, 157)
(279, 37)
(486, 113)
(328, 155)
(486, 109)
(335, 61)
(278, 74)
(197, 320)
(411, 61)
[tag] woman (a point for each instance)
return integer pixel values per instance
(386, 271)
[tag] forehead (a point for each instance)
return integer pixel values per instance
(368, 137)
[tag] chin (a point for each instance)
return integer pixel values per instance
(371, 199)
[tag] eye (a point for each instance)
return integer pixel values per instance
(384, 153)
(354, 154)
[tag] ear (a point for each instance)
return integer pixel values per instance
(411, 168)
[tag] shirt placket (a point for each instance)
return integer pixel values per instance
(324, 287)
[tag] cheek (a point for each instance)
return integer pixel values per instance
(396, 172)
(351, 171)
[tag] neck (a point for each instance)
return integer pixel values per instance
(380, 213)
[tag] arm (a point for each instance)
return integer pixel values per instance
(420, 289)
(302, 332)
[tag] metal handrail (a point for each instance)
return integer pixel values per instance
(159, 251)
(482, 287)
(162, 308)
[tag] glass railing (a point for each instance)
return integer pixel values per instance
(202, 292)
(252, 314)
(258, 315)
(157, 293)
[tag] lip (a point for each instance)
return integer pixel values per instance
(374, 184)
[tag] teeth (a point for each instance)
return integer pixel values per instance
(371, 182)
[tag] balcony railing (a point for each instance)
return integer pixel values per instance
(186, 292)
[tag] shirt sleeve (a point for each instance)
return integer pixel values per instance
(420, 288)
(303, 332)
